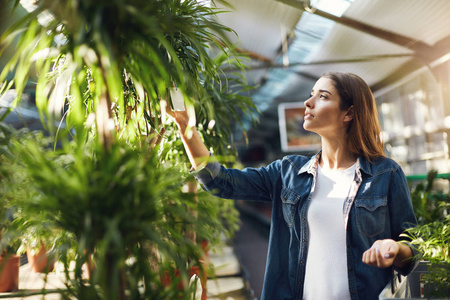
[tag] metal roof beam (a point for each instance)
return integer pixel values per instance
(422, 50)
(369, 58)
(441, 49)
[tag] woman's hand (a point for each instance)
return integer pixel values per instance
(195, 149)
(181, 118)
(382, 253)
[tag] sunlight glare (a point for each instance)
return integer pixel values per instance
(334, 7)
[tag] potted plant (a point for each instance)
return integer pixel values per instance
(39, 241)
(9, 241)
(432, 240)
(36, 233)
(9, 266)
(114, 183)
(9, 260)
(431, 237)
(103, 185)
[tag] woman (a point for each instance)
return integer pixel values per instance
(337, 216)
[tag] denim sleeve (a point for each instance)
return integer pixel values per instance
(246, 184)
(401, 213)
(208, 172)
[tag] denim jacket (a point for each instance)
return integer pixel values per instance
(377, 207)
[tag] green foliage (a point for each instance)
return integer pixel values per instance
(432, 236)
(224, 213)
(16, 189)
(228, 99)
(114, 189)
(429, 204)
(118, 59)
(432, 240)
(36, 230)
(9, 239)
(113, 203)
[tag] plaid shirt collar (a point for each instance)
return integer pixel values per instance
(311, 166)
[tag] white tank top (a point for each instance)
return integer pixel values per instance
(326, 264)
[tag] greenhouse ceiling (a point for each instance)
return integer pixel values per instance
(292, 42)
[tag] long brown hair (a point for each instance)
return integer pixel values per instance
(364, 131)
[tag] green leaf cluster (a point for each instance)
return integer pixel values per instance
(431, 237)
(98, 61)
(111, 185)
(429, 204)
(432, 240)
(113, 207)
(9, 238)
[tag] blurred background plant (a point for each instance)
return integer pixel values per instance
(9, 239)
(432, 235)
(113, 203)
(113, 176)
(430, 204)
(32, 228)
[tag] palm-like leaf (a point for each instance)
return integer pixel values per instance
(114, 63)
(113, 204)
(114, 49)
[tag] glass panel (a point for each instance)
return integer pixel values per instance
(416, 147)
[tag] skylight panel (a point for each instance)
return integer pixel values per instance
(334, 7)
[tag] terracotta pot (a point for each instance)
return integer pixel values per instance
(40, 262)
(9, 273)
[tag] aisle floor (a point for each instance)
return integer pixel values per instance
(228, 283)
(250, 245)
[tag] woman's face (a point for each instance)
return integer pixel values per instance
(323, 115)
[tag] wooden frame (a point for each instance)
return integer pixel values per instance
(293, 136)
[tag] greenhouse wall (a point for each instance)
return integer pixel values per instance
(415, 117)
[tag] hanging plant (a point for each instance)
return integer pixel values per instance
(105, 70)
(116, 60)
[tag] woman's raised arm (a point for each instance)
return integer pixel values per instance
(196, 150)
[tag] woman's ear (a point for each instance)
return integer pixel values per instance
(349, 114)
